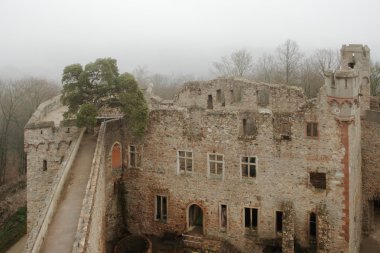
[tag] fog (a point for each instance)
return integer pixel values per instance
(40, 37)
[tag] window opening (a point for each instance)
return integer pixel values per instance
(279, 216)
(185, 161)
(223, 217)
(161, 208)
(313, 225)
(312, 129)
(248, 166)
(44, 165)
(209, 102)
(216, 163)
(318, 180)
(250, 218)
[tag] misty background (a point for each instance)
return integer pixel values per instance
(40, 37)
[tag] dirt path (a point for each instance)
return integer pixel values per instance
(61, 232)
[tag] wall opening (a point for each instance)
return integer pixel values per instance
(209, 102)
(44, 165)
(195, 215)
(318, 180)
(279, 216)
(116, 156)
(313, 227)
(223, 217)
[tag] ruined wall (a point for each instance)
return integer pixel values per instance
(370, 165)
(282, 172)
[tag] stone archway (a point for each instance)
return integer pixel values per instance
(195, 219)
(116, 158)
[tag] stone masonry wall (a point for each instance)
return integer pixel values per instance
(283, 166)
(370, 165)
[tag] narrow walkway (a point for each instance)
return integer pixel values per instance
(61, 231)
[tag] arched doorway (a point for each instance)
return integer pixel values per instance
(116, 156)
(195, 219)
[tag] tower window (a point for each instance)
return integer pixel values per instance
(279, 216)
(313, 225)
(312, 129)
(209, 102)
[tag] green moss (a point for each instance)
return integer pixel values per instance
(13, 229)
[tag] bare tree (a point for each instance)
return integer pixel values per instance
(18, 100)
(266, 69)
(238, 64)
(326, 59)
(289, 57)
(309, 77)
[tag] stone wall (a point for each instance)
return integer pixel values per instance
(50, 150)
(283, 165)
(370, 165)
(91, 232)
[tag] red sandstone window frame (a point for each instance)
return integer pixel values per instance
(185, 157)
(215, 162)
(162, 214)
(248, 163)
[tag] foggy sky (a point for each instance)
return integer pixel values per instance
(40, 37)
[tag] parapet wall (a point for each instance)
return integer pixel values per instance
(43, 109)
(90, 235)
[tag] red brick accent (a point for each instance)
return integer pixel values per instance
(346, 184)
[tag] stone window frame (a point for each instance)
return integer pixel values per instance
(248, 163)
(163, 219)
(136, 156)
(251, 230)
(312, 136)
(215, 175)
(179, 171)
(221, 228)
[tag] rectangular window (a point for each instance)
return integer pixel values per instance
(318, 180)
(313, 225)
(216, 165)
(250, 218)
(223, 217)
(248, 166)
(279, 215)
(312, 129)
(44, 165)
(161, 208)
(133, 156)
(185, 161)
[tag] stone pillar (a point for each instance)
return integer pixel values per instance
(323, 229)
(288, 228)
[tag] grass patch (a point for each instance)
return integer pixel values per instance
(13, 229)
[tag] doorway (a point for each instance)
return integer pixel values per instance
(195, 219)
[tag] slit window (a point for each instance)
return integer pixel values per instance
(161, 208)
(279, 216)
(223, 217)
(312, 129)
(318, 180)
(185, 161)
(250, 218)
(313, 225)
(248, 166)
(44, 165)
(209, 102)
